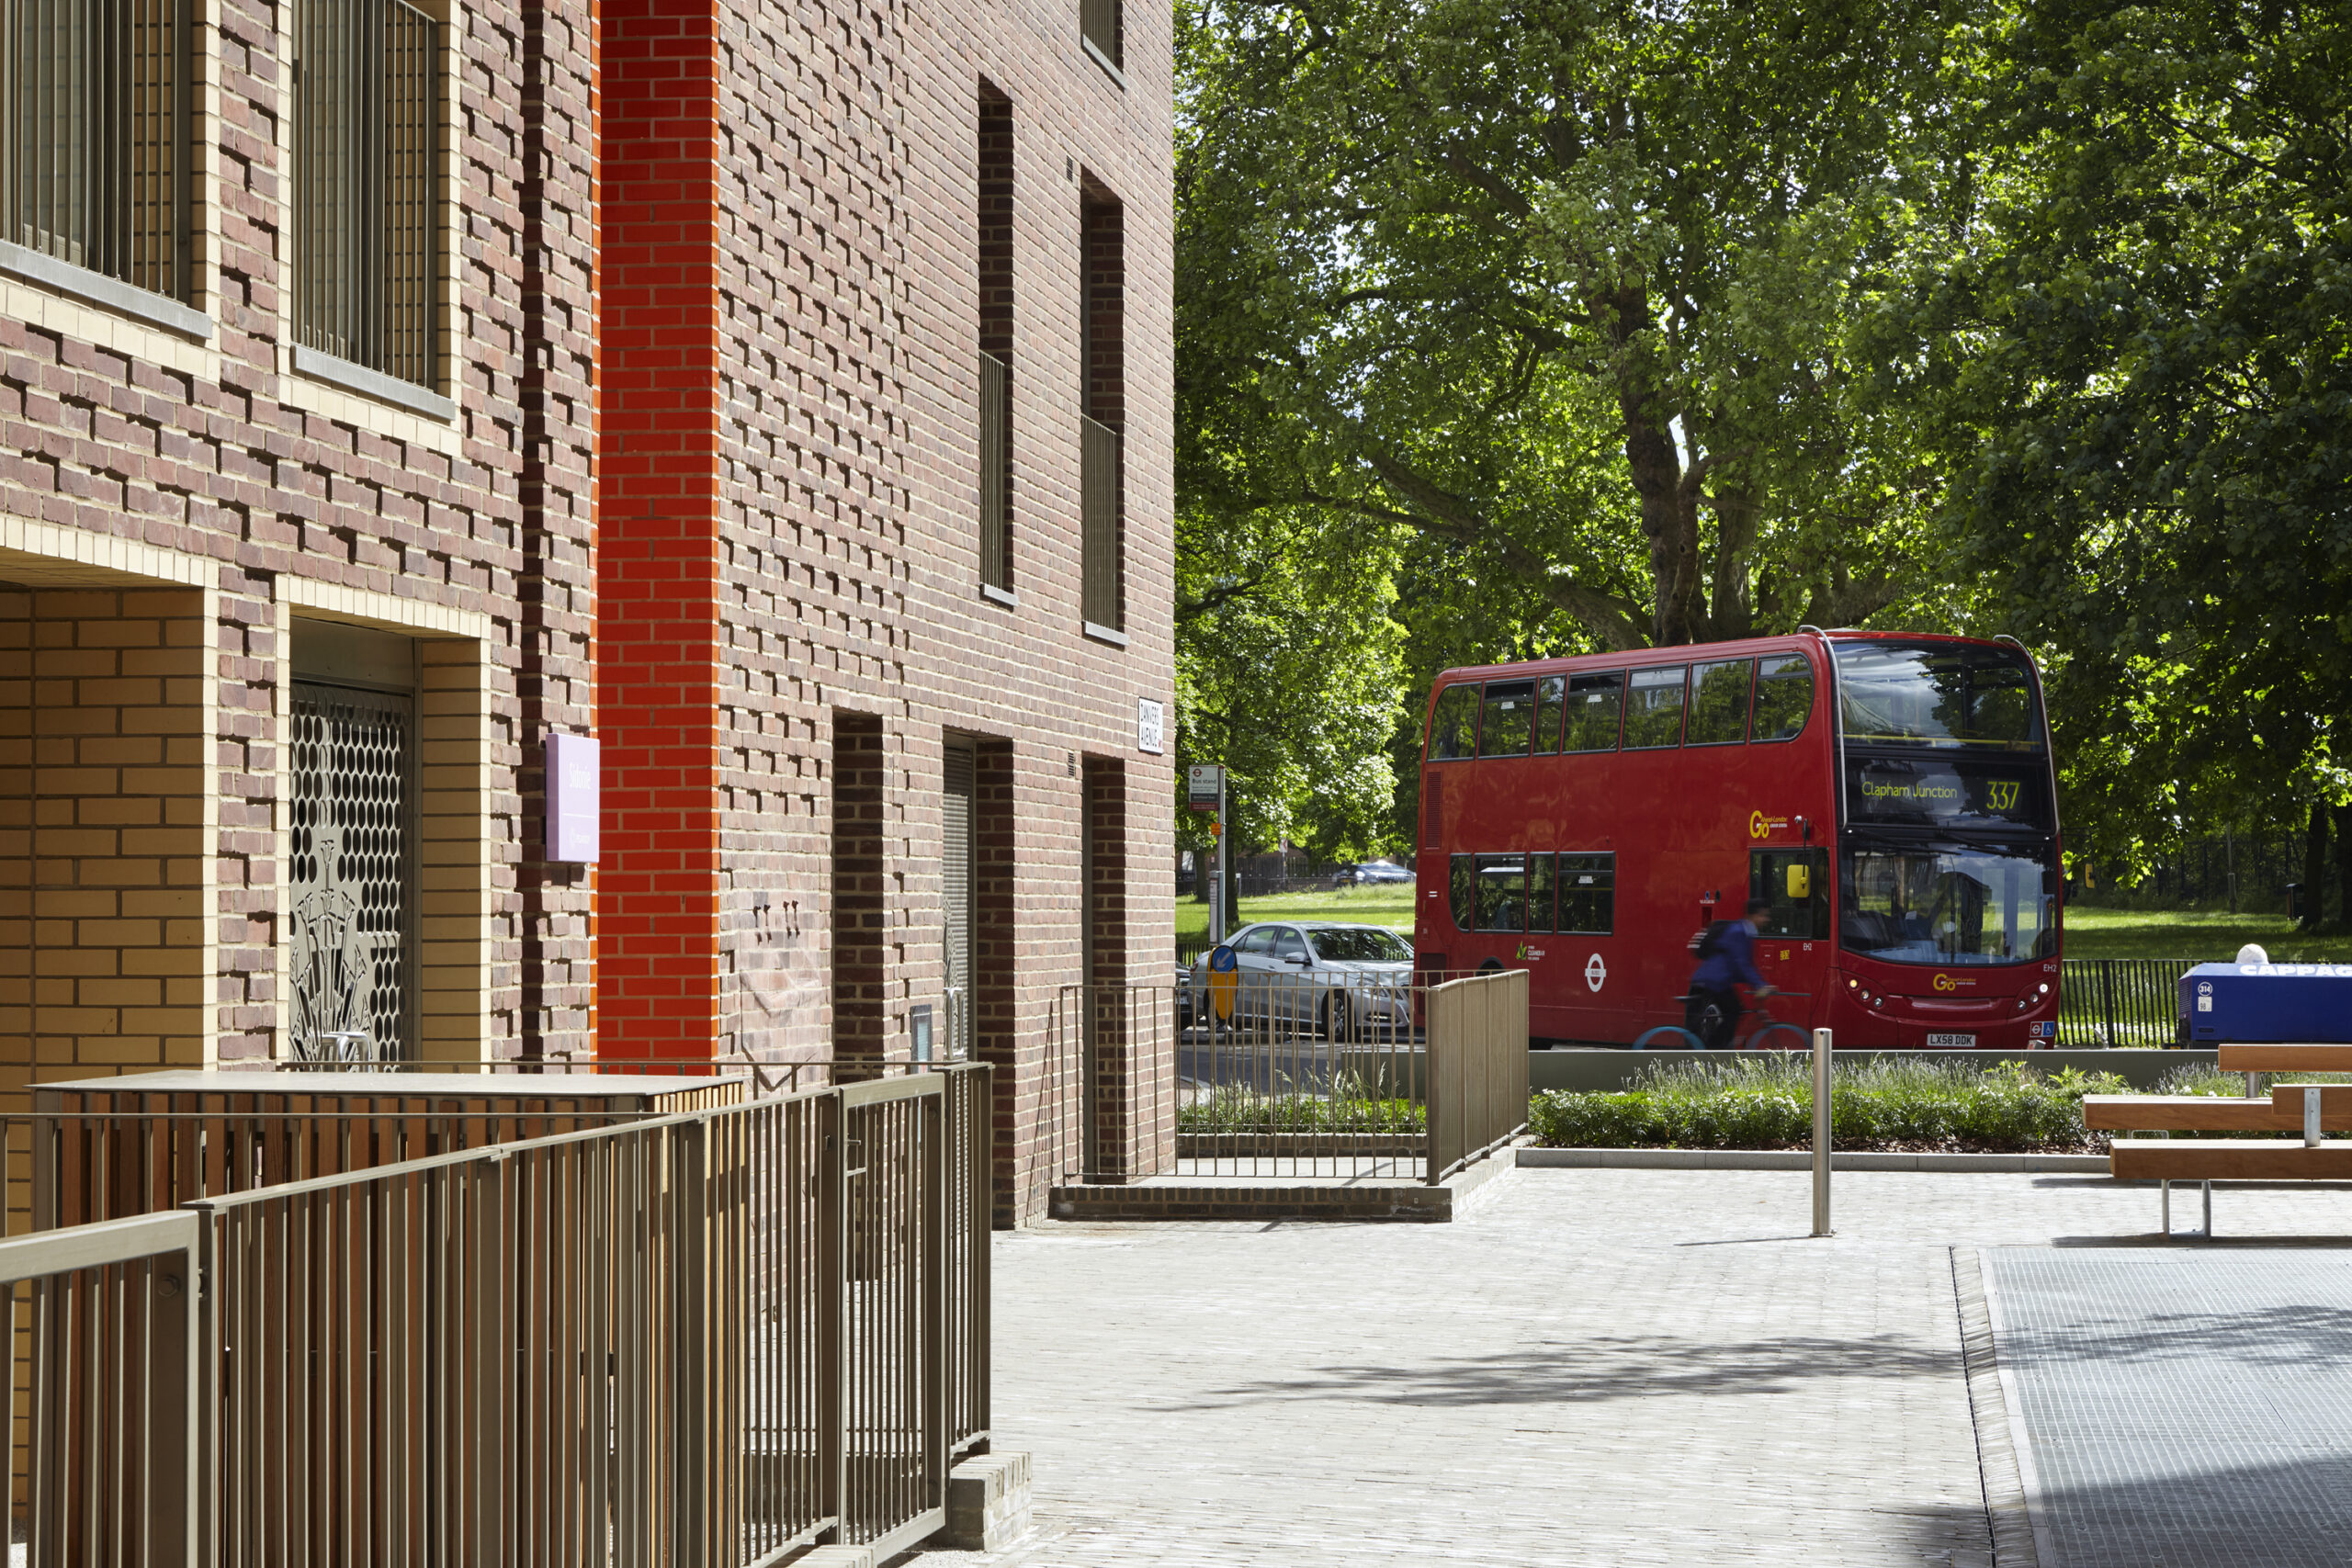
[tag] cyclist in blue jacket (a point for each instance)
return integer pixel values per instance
(1727, 962)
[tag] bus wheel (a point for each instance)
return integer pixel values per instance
(1673, 1037)
(1768, 1038)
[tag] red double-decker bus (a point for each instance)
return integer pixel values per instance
(1892, 796)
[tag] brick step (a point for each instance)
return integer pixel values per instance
(2228, 1159)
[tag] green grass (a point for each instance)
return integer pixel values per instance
(1902, 1103)
(2207, 936)
(1240, 1110)
(1391, 906)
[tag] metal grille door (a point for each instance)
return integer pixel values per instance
(955, 889)
(354, 856)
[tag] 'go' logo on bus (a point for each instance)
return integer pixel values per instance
(2001, 795)
(1756, 827)
(1946, 983)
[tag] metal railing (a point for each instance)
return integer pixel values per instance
(367, 183)
(1103, 586)
(1097, 23)
(710, 1338)
(93, 161)
(996, 471)
(2120, 1001)
(1288, 1076)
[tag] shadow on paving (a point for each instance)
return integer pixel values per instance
(1598, 1368)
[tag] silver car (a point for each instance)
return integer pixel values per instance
(1345, 982)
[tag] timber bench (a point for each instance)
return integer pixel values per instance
(2208, 1160)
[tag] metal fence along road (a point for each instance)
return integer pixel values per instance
(2120, 1001)
(709, 1337)
(1345, 1077)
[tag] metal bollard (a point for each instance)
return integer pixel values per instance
(2310, 1117)
(2254, 1086)
(1821, 1133)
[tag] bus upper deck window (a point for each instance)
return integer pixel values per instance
(1784, 696)
(1453, 727)
(1508, 718)
(1592, 706)
(1719, 703)
(1548, 693)
(1653, 709)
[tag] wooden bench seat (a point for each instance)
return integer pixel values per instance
(2208, 1160)
(2228, 1159)
(2282, 1112)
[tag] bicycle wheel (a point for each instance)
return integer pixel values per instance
(1759, 1041)
(1689, 1041)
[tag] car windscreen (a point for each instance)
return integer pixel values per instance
(1360, 947)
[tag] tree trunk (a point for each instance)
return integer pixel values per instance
(2314, 865)
(1669, 520)
(2343, 815)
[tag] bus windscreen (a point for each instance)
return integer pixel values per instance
(1941, 695)
(1948, 903)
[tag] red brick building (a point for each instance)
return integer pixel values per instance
(779, 393)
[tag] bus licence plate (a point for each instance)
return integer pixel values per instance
(1960, 1041)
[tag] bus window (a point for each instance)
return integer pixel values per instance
(1508, 718)
(1593, 701)
(1938, 696)
(1463, 891)
(1538, 892)
(1797, 883)
(1784, 698)
(1719, 703)
(1502, 893)
(1653, 709)
(1588, 894)
(1454, 728)
(1548, 693)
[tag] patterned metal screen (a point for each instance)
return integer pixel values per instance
(93, 164)
(367, 132)
(1102, 593)
(956, 886)
(1100, 23)
(351, 873)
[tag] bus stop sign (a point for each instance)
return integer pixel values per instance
(1201, 785)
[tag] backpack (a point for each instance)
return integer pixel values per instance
(1709, 942)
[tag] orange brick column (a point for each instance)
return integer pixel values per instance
(658, 633)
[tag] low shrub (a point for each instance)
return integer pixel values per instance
(1767, 1102)
(1247, 1110)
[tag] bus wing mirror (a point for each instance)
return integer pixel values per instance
(1800, 882)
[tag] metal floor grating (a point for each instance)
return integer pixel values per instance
(2185, 1407)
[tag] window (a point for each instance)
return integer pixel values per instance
(1463, 891)
(1550, 692)
(94, 163)
(1592, 706)
(1797, 884)
(367, 216)
(1943, 695)
(1454, 723)
(1361, 947)
(1538, 892)
(1508, 718)
(1653, 709)
(1258, 941)
(1588, 894)
(995, 248)
(1502, 893)
(1102, 484)
(1719, 703)
(1784, 696)
(1940, 903)
(1101, 30)
(1289, 945)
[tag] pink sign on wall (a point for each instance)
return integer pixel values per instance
(572, 777)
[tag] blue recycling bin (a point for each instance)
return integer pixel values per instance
(2268, 1003)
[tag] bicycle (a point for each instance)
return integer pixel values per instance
(1767, 1027)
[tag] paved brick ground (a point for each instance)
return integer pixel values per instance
(1596, 1366)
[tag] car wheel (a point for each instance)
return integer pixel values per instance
(1333, 1019)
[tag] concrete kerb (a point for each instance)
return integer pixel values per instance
(1802, 1159)
(1173, 1198)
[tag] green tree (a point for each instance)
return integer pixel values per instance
(1563, 293)
(2137, 353)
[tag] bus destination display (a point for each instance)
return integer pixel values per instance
(1939, 794)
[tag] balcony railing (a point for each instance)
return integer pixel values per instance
(1103, 588)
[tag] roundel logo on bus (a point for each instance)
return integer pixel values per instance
(1595, 972)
